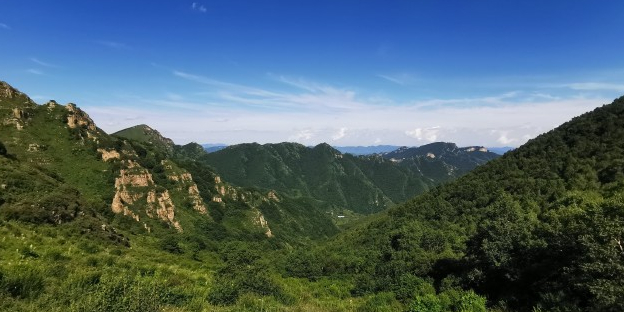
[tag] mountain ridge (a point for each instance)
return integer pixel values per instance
(362, 184)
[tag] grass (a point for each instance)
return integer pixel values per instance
(44, 267)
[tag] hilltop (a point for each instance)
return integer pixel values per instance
(360, 184)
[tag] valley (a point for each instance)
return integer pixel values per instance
(130, 221)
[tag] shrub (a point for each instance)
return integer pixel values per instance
(22, 282)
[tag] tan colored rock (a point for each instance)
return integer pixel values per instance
(108, 155)
(18, 113)
(260, 220)
(6, 91)
(33, 147)
(217, 199)
(217, 179)
(79, 118)
(198, 203)
(273, 196)
(136, 178)
(166, 210)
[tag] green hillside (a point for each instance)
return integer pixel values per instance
(98, 222)
(362, 184)
(537, 229)
(146, 135)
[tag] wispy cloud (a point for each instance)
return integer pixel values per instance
(311, 96)
(400, 79)
(35, 71)
(198, 7)
(596, 86)
(42, 63)
(286, 108)
(112, 44)
(5, 26)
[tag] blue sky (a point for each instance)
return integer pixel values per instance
(404, 72)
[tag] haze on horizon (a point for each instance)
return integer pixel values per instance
(485, 73)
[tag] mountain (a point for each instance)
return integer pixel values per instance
(146, 135)
(463, 159)
(141, 179)
(97, 222)
(214, 147)
(539, 228)
(360, 184)
(366, 150)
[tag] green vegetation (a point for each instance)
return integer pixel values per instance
(539, 229)
(364, 184)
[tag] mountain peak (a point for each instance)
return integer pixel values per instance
(13, 96)
(7, 91)
(146, 134)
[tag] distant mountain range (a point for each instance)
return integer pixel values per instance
(362, 184)
(358, 150)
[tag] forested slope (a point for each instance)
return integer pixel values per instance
(540, 227)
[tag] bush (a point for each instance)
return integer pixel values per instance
(224, 293)
(3, 150)
(22, 282)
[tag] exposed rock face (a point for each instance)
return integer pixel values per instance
(273, 196)
(162, 204)
(108, 155)
(8, 92)
(135, 178)
(184, 177)
(17, 117)
(196, 200)
(78, 118)
(121, 200)
(263, 223)
(135, 183)
(186, 184)
(34, 147)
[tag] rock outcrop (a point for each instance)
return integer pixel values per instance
(262, 222)
(78, 118)
(109, 154)
(134, 184)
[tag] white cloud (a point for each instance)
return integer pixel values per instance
(199, 7)
(311, 113)
(503, 137)
(424, 134)
(302, 135)
(4, 26)
(340, 134)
